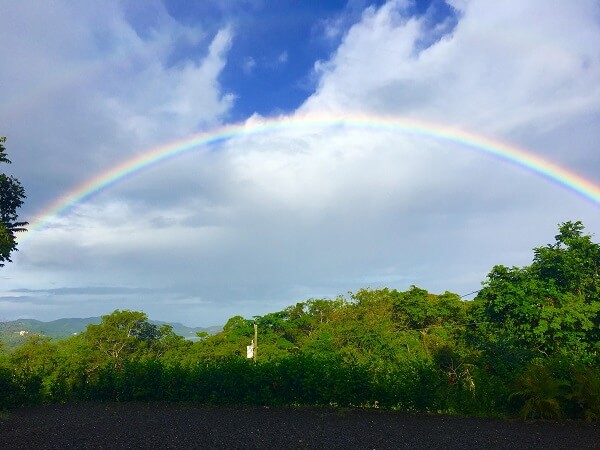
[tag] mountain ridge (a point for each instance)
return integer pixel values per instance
(68, 326)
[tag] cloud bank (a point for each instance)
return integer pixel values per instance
(262, 221)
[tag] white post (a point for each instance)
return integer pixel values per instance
(255, 342)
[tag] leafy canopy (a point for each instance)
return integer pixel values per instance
(11, 198)
(553, 305)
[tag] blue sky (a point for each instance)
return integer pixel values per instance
(262, 221)
(274, 49)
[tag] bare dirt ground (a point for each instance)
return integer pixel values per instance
(169, 425)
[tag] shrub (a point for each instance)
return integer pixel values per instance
(585, 392)
(540, 391)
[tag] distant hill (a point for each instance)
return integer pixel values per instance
(188, 332)
(15, 331)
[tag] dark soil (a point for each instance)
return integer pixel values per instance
(168, 425)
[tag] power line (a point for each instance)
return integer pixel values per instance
(474, 292)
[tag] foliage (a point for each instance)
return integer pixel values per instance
(541, 392)
(126, 335)
(553, 306)
(11, 198)
(585, 392)
(528, 345)
(572, 263)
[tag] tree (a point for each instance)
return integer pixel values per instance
(122, 335)
(36, 355)
(230, 342)
(11, 198)
(572, 263)
(552, 306)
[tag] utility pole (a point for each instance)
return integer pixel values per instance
(255, 342)
(252, 348)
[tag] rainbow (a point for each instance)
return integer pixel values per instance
(154, 156)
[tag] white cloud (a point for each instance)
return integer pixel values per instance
(249, 65)
(504, 66)
(153, 101)
(90, 90)
(283, 57)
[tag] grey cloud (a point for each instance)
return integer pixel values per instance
(89, 290)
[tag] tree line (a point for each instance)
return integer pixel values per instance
(528, 345)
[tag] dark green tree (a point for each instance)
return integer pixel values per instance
(552, 306)
(571, 264)
(11, 198)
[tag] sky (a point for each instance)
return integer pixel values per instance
(317, 148)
